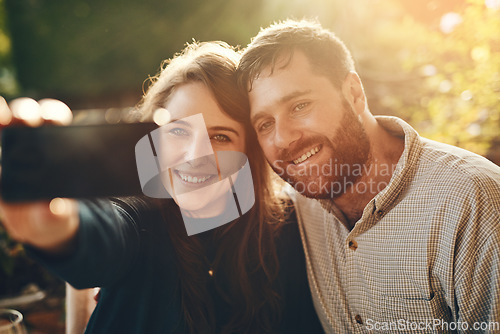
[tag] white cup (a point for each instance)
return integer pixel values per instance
(11, 322)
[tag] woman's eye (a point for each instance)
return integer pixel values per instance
(178, 132)
(221, 138)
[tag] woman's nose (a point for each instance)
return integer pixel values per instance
(198, 147)
(200, 162)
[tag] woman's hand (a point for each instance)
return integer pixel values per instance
(50, 226)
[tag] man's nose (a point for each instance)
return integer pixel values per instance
(286, 133)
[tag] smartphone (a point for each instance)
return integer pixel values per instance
(76, 161)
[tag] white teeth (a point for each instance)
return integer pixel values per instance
(306, 155)
(195, 179)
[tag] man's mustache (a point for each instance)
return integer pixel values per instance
(296, 151)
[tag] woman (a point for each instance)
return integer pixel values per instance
(246, 276)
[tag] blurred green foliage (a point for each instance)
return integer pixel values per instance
(81, 51)
(8, 83)
(439, 71)
(459, 101)
(92, 53)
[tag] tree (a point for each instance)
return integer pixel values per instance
(443, 76)
(460, 101)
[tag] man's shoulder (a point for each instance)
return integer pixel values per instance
(458, 170)
(457, 160)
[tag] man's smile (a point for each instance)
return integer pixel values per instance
(307, 155)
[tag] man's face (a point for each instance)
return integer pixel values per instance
(308, 131)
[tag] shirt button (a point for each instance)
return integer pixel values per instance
(353, 245)
(358, 319)
(379, 214)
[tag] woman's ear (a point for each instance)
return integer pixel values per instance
(353, 92)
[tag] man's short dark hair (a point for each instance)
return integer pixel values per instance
(326, 53)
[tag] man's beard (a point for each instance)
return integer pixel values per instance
(351, 152)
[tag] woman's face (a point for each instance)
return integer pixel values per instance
(197, 129)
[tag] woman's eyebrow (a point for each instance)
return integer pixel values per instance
(180, 122)
(224, 128)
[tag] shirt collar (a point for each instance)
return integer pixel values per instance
(402, 175)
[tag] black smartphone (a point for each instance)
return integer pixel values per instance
(77, 161)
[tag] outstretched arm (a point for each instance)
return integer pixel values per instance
(50, 226)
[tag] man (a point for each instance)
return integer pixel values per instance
(401, 233)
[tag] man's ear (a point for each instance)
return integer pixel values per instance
(353, 91)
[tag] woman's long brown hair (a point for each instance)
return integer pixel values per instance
(245, 263)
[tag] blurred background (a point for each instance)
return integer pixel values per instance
(434, 63)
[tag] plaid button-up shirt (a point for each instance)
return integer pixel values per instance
(425, 255)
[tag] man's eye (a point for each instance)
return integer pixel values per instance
(300, 106)
(265, 126)
(221, 138)
(178, 132)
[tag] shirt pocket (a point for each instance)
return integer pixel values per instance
(415, 315)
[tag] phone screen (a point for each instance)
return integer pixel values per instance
(70, 161)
